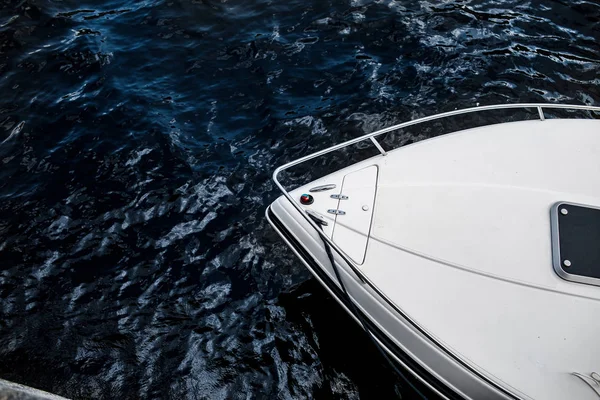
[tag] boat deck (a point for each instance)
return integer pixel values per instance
(458, 237)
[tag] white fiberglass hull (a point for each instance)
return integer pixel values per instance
(401, 333)
(454, 247)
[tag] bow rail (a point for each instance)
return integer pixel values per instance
(372, 137)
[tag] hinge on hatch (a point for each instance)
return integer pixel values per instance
(336, 212)
(339, 197)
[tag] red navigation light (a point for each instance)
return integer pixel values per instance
(306, 199)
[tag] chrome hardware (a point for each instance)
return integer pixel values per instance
(336, 212)
(593, 380)
(541, 113)
(376, 143)
(318, 218)
(339, 197)
(322, 188)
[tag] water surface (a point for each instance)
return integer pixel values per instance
(137, 140)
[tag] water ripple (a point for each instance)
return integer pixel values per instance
(137, 141)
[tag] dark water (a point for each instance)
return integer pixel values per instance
(137, 139)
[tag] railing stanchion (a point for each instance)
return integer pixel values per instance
(541, 112)
(376, 143)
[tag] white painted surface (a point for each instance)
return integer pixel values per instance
(402, 333)
(460, 242)
(474, 208)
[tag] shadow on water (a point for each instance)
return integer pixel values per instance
(137, 140)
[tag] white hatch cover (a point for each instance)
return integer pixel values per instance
(351, 230)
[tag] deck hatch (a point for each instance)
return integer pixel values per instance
(353, 225)
(576, 242)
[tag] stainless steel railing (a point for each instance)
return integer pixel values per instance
(372, 137)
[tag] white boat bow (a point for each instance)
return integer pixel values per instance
(450, 254)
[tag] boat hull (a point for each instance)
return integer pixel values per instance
(446, 248)
(470, 386)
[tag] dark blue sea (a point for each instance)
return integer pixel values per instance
(137, 143)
